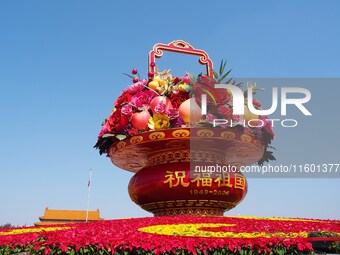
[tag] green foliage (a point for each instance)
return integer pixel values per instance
(221, 75)
(94, 250)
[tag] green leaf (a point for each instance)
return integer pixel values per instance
(210, 94)
(108, 135)
(215, 74)
(129, 75)
(221, 67)
(228, 81)
(224, 76)
(121, 136)
(193, 78)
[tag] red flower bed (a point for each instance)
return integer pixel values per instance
(170, 235)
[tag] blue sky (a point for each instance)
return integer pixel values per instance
(61, 65)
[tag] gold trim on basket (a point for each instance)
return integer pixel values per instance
(245, 138)
(121, 144)
(136, 139)
(205, 133)
(181, 133)
(157, 135)
(228, 134)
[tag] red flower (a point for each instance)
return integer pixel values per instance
(206, 85)
(225, 111)
(177, 98)
(125, 97)
(133, 131)
(176, 80)
(267, 126)
(117, 121)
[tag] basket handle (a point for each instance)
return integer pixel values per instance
(180, 47)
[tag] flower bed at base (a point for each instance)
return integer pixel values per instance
(171, 235)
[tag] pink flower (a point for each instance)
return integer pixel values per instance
(237, 118)
(211, 117)
(160, 108)
(186, 79)
(136, 87)
(143, 98)
(127, 110)
(105, 129)
(257, 103)
(172, 113)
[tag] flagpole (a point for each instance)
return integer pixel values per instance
(88, 196)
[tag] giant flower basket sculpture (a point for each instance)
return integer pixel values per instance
(184, 163)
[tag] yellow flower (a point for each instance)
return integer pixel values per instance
(159, 121)
(158, 84)
(195, 230)
(183, 87)
(31, 230)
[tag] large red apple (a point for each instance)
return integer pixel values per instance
(140, 120)
(190, 111)
(160, 99)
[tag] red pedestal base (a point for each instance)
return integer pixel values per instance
(187, 171)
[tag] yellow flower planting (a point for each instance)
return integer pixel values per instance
(275, 219)
(30, 230)
(196, 230)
